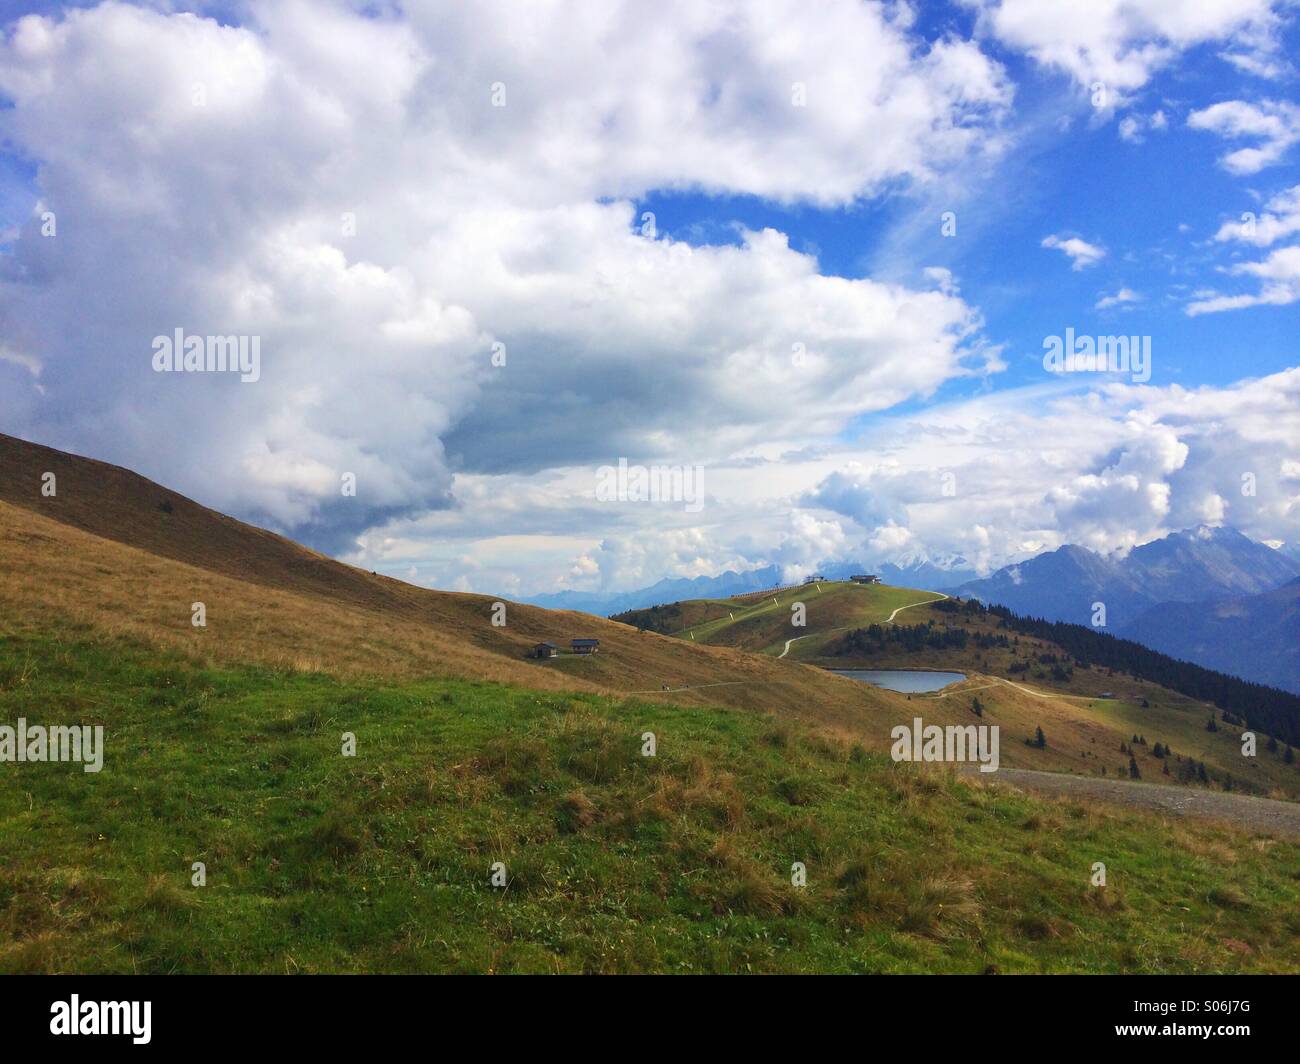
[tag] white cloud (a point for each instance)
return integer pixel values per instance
(1134, 127)
(994, 479)
(17, 358)
(1080, 252)
(1275, 124)
(1123, 297)
(1109, 468)
(1261, 64)
(209, 169)
(1280, 277)
(520, 225)
(1122, 43)
(1279, 219)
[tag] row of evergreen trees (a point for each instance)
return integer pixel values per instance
(1248, 704)
(861, 642)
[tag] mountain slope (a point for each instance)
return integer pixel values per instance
(1204, 563)
(615, 861)
(1024, 681)
(1257, 636)
(1063, 584)
(270, 601)
(767, 623)
(1192, 565)
(114, 551)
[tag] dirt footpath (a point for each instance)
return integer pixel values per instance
(1255, 814)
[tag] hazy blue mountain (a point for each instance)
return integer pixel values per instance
(938, 573)
(1199, 563)
(1196, 564)
(1203, 562)
(1062, 585)
(1256, 637)
(926, 574)
(921, 571)
(608, 603)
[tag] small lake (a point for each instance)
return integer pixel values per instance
(910, 681)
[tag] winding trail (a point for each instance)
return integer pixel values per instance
(1258, 814)
(787, 646)
(845, 627)
(955, 689)
(890, 618)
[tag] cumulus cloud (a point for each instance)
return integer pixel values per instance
(1122, 44)
(463, 305)
(1130, 492)
(994, 479)
(1080, 253)
(809, 541)
(864, 493)
(444, 285)
(1109, 469)
(1274, 124)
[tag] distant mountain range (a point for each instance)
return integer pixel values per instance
(920, 570)
(937, 574)
(608, 603)
(1256, 637)
(1211, 596)
(1207, 595)
(1193, 565)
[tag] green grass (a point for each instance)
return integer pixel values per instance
(764, 624)
(617, 862)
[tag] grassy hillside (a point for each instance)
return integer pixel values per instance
(766, 624)
(224, 747)
(341, 620)
(1021, 686)
(616, 862)
(1017, 685)
(112, 552)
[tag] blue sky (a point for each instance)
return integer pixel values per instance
(199, 161)
(1154, 205)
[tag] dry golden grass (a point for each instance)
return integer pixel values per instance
(333, 618)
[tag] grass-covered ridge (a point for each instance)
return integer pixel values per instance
(764, 622)
(617, 862)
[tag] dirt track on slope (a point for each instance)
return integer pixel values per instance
(1254, 814)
